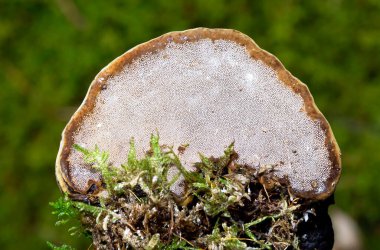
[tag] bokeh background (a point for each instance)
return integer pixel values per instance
(51, 50)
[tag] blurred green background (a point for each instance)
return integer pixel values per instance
(51, 50)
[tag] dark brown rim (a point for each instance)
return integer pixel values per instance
(193, 35)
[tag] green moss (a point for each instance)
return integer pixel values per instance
(223, 205)
(62, 247)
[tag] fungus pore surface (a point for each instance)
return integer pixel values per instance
(208, 94)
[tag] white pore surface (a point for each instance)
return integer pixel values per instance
(207, 94)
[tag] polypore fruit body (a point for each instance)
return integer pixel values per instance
(205, 88)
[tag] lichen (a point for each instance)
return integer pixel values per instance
(226, 205)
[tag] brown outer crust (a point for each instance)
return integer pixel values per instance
(100, 81)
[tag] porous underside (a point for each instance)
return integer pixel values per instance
(206, 94)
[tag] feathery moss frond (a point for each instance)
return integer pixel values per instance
(140, 210)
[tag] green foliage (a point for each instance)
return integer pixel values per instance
(150, 173)
(228, 239)
(67, 211)
(83, 207)
(219, 191)
(62, 247)
(178, 244)
(285, 212)
(50, 52)
(64, 209)
(99, 161)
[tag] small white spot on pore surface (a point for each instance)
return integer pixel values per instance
(207, 94)
(249, 77)
(214, 61)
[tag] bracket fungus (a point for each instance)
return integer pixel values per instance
(206, 88)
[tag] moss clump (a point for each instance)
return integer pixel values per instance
(225, 205)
